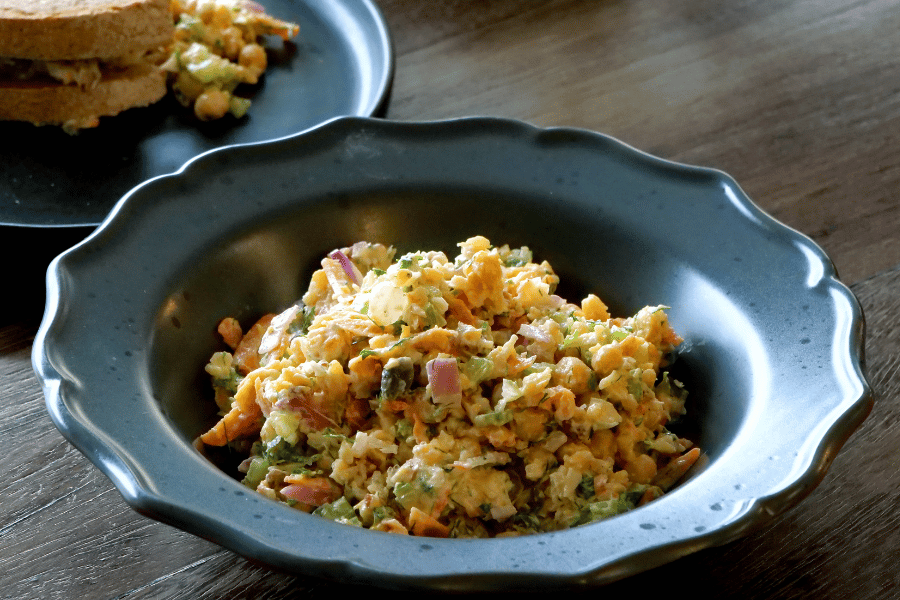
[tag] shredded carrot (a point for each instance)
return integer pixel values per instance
(423, 524)
(233, 425)
(246, 355)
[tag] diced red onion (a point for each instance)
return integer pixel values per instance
(254, 6)
(314, 492)
(347, 264)
(443, 376)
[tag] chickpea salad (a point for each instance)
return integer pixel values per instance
(447, 397)
(216, 48)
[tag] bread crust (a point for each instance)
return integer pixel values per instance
(82, 29)
(49, 103)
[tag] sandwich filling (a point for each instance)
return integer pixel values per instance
(86, 73)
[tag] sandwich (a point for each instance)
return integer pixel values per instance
(70, 62)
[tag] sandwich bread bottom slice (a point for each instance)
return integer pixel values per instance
(74, 107)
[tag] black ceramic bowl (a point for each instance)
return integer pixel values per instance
(772, 356)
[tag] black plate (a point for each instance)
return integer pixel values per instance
(341, 63)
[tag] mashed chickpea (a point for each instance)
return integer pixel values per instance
(460, 398)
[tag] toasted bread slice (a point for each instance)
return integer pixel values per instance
(73, 107)
(53, 30)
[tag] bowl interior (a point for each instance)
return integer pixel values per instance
(265, 266)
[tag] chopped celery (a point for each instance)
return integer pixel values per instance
(256, 472)
(339, 510)
(477, 369)
(500, 417)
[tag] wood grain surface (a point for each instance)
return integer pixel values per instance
(798, 101)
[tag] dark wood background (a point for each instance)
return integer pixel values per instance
(798, 100)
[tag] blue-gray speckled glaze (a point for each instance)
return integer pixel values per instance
(772, 356)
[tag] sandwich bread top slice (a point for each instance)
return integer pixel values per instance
(82, 29)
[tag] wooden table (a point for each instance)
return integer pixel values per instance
(799, 101)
